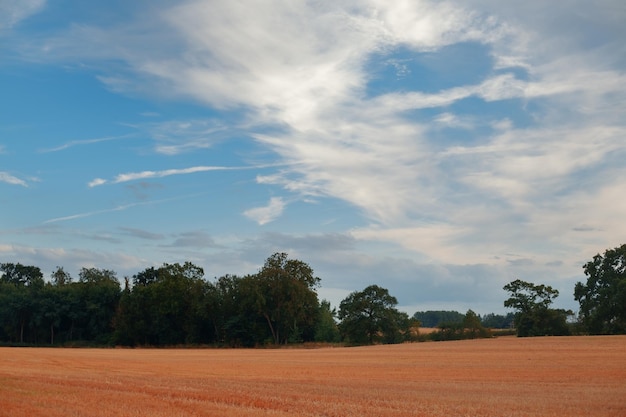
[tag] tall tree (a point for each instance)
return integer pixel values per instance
(370, 316)
(326, 329)
(26, 282)
(534, 317)
(602, 298)
(21, 275)
(286, 297)
(99, 294)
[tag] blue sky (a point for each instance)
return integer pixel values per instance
(440, 149)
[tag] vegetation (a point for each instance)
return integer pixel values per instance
(435, 318)
(534, 317)
(470, 327)
(603, 297)
(370, 316)
(166, 306)
(174, 305)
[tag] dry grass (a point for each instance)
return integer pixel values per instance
(504, 377)
(428, 330)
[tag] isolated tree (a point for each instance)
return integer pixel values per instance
(534, 317)
(602, 298)
(370, 316)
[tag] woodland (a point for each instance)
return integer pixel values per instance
(174, 305)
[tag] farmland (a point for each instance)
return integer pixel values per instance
(508, 376)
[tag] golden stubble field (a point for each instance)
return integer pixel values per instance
(503, 377)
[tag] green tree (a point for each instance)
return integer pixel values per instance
(534, 317)
(602, 298)
(473, 327)
(22, 284)
(498, 321)
(166, 306)
(434, 318)
(59, 277)
(99, 293)
(238, 322)
(286, 297)
(370, 316)
(326, 329)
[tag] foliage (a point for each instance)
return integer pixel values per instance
(286, 297)
(370, 316)
(602, 298)
(498, 321)
(434, 318)
(326, 329)
(470, 327)
(167, 306)
(534, 317)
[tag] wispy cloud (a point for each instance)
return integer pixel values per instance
(10, 179)
(84, 142)
(266, 214)
(197, 239)
(14, 11)
(114, 209)
(143, 175)
(542, 151)
(142, 234)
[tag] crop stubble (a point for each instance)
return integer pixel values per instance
(508, 376)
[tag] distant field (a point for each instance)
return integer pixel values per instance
(503, 377)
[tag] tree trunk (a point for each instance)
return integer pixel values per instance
(274, 334)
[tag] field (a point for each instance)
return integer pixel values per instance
(504, 377)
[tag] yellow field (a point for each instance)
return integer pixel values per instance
(504, 377)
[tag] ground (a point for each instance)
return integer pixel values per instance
(506, 376)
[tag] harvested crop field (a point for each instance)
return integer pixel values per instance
(565, 376)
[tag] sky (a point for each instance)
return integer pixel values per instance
(439, 149)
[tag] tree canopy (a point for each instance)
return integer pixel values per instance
(370, 316)
(602, 298)
(534, 317)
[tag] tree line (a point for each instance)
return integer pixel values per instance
(175, 305)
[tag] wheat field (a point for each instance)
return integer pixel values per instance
(504, 377)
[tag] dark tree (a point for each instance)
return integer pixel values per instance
(326, 329)
(370, 316)
(286, 297)
(534, 317)
(99, 294)
(21, 287)
(166, 306)
(498, 321)
(434, 318)
(602, 298)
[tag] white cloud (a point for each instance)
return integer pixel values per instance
(549, 104)
(134, 176)
(14, 11)
(266, 214)
(96, 182)
(73, 143)
(10, 179)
